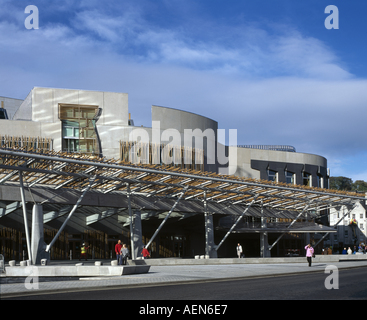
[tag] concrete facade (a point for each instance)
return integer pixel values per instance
(39, 116)
(11, 105)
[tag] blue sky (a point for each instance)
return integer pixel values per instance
(268, 68)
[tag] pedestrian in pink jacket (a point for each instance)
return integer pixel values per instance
(309, 254)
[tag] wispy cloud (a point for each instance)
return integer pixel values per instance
(275, 85)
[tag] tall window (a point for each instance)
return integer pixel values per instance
(272, 175)
(290, 177)
(306, 179)
(320, 181)
(79, 128)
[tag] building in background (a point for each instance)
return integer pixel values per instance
(98, 124)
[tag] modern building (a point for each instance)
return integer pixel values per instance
(99, 123)
(95, 125)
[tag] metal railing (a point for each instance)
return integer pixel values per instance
(269, 147)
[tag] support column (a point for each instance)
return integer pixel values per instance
(209, 232)
(137, 235)
(167, 216)
(133, 255)
(25, 216)
(48, 248)
(264, 244)
(235, 224)
(38, 244)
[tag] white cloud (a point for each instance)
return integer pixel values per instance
(275, 88)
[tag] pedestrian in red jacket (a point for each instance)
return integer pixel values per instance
(118, 247)
(145, 253)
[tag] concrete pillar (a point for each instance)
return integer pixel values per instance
(209, 237)
(264, 244)
(38, 245)
(137, 236)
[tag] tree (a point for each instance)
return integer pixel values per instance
(341, 183)
(359, 185)
(347, 184)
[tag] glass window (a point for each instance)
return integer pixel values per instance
(272, 175)
(78, 128)
(320, 181)
(290, 177)
(3, 114)
(306, 179)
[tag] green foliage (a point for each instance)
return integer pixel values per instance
(347, 184)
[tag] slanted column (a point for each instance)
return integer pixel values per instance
(38, 245)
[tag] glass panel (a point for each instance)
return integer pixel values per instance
(68, 132)
(306, 179)
(66, 112)
(82, 145)
(88, 113)
(272, 175)
(289, 177)
(79, 135)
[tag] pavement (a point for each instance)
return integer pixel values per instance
(165, 275)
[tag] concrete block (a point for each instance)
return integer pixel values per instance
(197, 257)
(44, 262)
(98, 263)
(114, 263)
(79, 264)
(202, 257)
(12, 263)
(23, 263)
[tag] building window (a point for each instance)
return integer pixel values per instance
(320, 181)
(306, 179)
(3, 114)
(290, 177)
(272, 175)
(79, 128)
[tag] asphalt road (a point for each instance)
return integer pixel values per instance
(352, 285)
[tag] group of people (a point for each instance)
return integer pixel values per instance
(122, 253)
(356, 249)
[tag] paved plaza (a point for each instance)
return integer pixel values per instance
(168, 274)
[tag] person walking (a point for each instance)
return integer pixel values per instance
(83, 252)
(239, 250)
(118, 247)
(145, 253)
(124, 254)
(309, 254)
